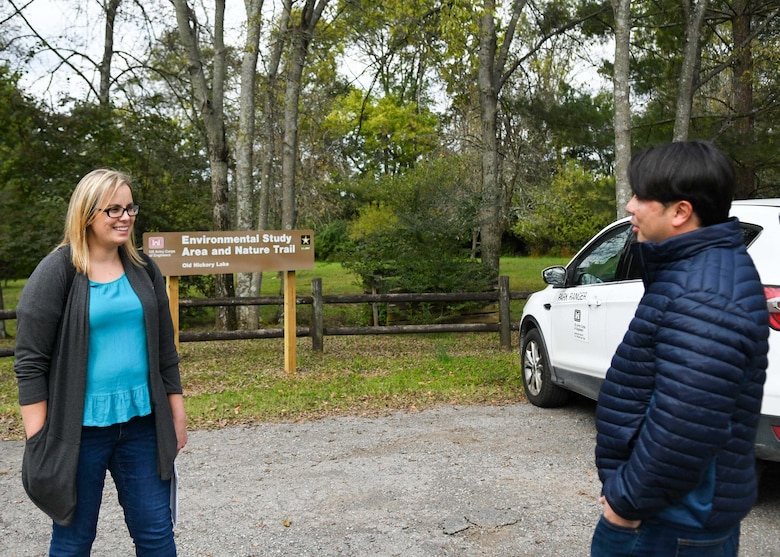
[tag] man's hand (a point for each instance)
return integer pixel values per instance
(615, 518)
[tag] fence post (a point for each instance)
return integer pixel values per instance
(504, 326)
(316, 315)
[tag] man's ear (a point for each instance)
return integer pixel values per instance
(683, 217)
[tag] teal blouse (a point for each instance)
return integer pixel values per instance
(117, 363)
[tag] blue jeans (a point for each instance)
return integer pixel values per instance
(652, 539)
(129, 451)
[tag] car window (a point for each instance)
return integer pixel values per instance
(749, 232)
(629, 266)
(610, 258)
(603, 259)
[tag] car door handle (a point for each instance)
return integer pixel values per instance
(594, 302)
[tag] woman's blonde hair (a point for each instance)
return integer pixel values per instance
(90, 197)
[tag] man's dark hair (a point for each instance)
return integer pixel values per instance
(694, 171)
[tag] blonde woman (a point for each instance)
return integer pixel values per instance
(98, 376)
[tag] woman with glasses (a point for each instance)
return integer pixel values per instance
(98, 376)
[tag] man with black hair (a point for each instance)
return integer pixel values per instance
(677, 413)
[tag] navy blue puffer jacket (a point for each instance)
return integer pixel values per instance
(678, 410)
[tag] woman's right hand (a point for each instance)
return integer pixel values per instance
(33, 417)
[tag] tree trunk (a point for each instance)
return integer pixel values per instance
(300, 40)
(490, 78)
(270, 119)
(299, 45)
(270, 113)
(622, 90)
(694, 19)
(245, 183)
(489, 210)
(111, 9)
(742, 92)
(211, 109)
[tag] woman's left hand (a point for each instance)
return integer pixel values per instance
(179, 419)
(181, 434)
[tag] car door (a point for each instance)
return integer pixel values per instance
(591, 313)
(621, 302)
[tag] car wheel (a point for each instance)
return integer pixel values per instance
(537, 376)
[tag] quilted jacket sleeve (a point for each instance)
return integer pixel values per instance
(677, 383)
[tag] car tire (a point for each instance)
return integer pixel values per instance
(537, 375)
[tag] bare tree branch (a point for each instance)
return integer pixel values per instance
(57, 52)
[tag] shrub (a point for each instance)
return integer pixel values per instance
(561, 218)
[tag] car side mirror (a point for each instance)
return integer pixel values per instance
(554, 276)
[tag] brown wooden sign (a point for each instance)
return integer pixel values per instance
(212, 253)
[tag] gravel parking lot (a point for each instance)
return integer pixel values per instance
(452, 481)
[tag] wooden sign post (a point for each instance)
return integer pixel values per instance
(215, 253)
(172, 289)
(290, 324)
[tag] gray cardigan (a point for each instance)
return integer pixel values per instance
(52, 339)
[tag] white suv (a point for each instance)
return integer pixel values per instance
(570, 330)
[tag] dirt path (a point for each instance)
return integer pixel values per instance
(454, 481)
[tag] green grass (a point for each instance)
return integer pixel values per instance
(335, 281)
(366, 375)
(525, 273)
(11, 291)
(231, 382)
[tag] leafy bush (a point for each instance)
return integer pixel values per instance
(558, 220)
(416, 238)
(402, 261)
(331, 240)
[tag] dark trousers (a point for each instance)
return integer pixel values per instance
(129, 452)
(654, 539)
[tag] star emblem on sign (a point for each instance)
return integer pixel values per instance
(306, 240)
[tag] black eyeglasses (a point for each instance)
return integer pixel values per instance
(116, 211)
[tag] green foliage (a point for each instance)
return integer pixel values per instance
(403, 260)
(562, 217)
(33, 178)
(374, 219)
(44, 154)
(401, 40)
(417, 237)
(738, 112)
(331, 240)
(581, 127)
(381, 136)
(603, 24)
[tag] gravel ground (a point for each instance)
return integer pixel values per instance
(453, 481)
